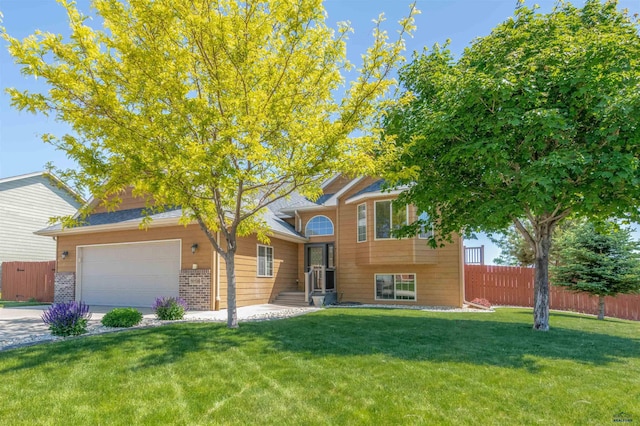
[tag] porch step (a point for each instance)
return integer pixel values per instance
(291, 298)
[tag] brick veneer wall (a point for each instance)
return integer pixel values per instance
(64, 287)
(195, 288)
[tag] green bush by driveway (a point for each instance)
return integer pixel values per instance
(336, 366)
(122, 317)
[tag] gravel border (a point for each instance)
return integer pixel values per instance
(411, 307)
(95, 327)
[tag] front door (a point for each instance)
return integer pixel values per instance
(322, 254)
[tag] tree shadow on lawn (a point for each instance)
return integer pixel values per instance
(472, 339)
(151, 346)
(583, 316)
(440, 338)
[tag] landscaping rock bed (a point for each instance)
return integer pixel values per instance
(466, 308)
(95, 327)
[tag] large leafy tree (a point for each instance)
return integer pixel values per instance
(218, 106)
(538, 120)
(599, 260)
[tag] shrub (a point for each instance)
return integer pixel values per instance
(481, 302)
(169, 308)
(122, 317)
(67, 319)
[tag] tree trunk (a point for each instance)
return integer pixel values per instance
(232, 313)
(541, 287)
(600, 307)
(229, 259)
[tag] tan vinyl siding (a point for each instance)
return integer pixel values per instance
(251, 289)
(189, 235)
(26, 205)
(128, 202)
(439, 279)
(438, 272)
(437, 285)
(301, 267)
(383, 251)
(337, 184)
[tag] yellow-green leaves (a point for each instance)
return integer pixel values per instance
(218, 106)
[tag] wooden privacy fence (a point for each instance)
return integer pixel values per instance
(26, 280)
(509, 285)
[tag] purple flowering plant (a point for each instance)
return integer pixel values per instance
(67, 319)
(169, 308)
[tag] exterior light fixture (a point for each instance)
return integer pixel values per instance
(65, 254)
(194, 248)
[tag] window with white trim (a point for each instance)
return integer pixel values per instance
(319, 225)
(362, 222)
(388, 218)
(427, 230)
(395, 286)
(265, 261)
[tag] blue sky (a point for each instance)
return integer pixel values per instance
(22, 151)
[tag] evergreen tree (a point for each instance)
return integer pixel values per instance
(599, 260)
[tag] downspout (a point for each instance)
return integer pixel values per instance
(217, 302)
(212, 279)
(298, 220)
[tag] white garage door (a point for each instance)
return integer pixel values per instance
(128, 274)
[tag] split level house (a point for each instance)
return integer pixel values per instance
(338, 247)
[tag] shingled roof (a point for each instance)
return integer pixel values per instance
(135, 216)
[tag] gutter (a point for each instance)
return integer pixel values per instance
(109, 227)
(155, 223)
(375, 194)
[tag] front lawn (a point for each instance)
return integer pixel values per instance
(336, 366)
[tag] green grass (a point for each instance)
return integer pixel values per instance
(13, 304)
(336, 366)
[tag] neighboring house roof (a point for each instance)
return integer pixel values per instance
(52, 177)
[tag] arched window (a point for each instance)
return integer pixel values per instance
(319, 225)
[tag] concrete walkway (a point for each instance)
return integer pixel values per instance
(21, 323)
